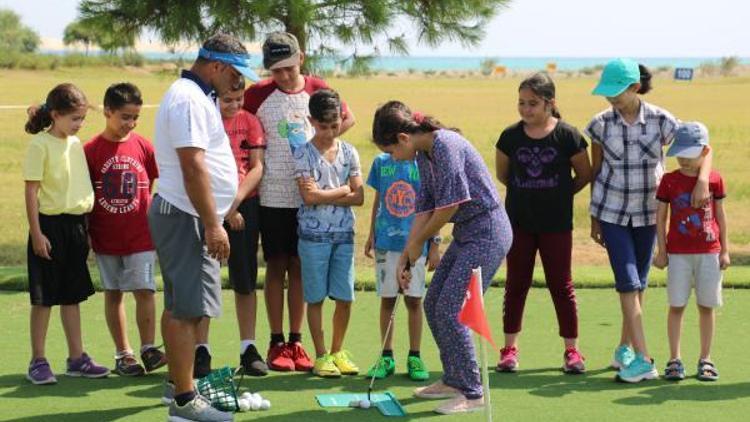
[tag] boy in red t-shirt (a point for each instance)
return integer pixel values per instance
(122, 168)
(695, 247)
(247, 140)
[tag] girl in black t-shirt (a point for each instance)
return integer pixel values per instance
(534, 160)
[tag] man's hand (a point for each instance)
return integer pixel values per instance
(217, 242)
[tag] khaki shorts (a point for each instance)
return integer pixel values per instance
(701, 271)
(386, 263)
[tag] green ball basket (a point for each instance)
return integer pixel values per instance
(219, 387)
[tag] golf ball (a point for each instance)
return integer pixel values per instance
(364, 404)
(244, 405)
(246, 395)
(265, 405)
(257, 396)
(255, 405)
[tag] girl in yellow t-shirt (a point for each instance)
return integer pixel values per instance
(58, 195)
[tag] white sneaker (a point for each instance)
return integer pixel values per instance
(197, 410)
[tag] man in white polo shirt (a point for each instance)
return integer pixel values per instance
(197, 184)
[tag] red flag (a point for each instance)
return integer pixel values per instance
(472, 312)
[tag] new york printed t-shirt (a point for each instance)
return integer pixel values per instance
(691, 230)
(539, 198)
(397, 183)
(122, 174)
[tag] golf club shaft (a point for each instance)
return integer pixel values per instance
(385, 339)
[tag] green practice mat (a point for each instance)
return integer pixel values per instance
(385, 402)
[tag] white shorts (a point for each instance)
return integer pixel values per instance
(386, 263)
(699, 270)
(127, 272)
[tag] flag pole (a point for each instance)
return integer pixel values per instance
(483, 363)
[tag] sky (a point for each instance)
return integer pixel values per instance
(547, 28)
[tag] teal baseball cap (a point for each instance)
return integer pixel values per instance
(616, 77)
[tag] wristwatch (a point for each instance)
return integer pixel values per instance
(437, 240)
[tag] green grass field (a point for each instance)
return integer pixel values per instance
(482, 108)
(538, 392)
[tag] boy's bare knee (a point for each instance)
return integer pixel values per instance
(676, 309)
(413, 303)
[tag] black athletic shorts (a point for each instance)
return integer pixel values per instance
(243, 254)
(65, 279)
(278, 231)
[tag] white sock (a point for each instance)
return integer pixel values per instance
(122, 353)
(146, 347)
(208, 348)
(244, 344)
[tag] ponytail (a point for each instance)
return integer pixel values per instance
(64, 99)
(646, 85)
(38, 120)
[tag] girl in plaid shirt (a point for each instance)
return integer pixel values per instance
(628, 162)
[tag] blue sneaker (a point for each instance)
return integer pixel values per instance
(624, 355)
(639, 369)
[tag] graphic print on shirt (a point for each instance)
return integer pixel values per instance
(119, 184)
(689, 221)
(292, 128)
(535, 160)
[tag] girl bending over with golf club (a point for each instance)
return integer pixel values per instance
(455, 187)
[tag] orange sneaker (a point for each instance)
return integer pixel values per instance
(299, 356)
(279, 358)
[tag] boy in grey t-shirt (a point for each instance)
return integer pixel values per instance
(330, 182)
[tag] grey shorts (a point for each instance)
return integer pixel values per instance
(192, 281)
(127, 272)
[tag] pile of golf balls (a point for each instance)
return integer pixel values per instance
(252, 401)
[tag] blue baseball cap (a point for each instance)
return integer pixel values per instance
(239, 61)
(616, 77)
(689, 140)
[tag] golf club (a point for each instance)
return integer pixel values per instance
(387, 332)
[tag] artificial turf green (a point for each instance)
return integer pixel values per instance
(538, 392)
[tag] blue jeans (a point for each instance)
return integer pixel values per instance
(327, 270)
(630, 251)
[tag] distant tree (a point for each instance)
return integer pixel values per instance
(728, 65)
(314, 22)
(108, 38)
(487, 66)
(79, 33)
(14, 35)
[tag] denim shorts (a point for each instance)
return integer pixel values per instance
(630, 251)
(327, 270)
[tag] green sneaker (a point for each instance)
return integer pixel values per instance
(384, 367)
(417, 369)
